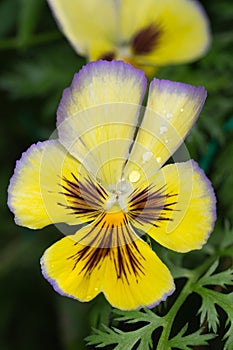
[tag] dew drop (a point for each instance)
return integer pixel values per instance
(158, 159)
(162, 130)
(96, 289)
(134, 176)
(169, 115)
(182, 109)
(166, 141)
(122, 186)
(147, 156)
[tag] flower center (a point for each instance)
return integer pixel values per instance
(119, 204)
(142, 43)
(118, 198)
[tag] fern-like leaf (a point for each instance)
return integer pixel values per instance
(211, 298)
(185, 342)
(123, 340)
(127, 340)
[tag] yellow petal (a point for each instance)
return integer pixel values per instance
(90, 25)
(171, 111)
(98, 115)
(148, 287)
(40, 192)
(100, 83)
(130, 275)
(182, 27)
(185, 209)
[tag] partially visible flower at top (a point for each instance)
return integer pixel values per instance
(105, 172)
(147, 33)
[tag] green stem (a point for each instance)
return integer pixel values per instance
(186, 291)
(15, 43)
(163, 340)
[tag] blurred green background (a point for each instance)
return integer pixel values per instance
(36, 64)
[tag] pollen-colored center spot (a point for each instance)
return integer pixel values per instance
(113, 210)
(115, 219)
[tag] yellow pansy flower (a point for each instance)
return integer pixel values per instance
(148, 33)
(104, 177)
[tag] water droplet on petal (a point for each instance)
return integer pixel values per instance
(134, 176)
(162, 130)
(123, 186)
(169, 115)
(166, 141)
(182, 109)
(96, 289)
(158, 159)
(147, 156)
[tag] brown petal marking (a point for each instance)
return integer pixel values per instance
(84, 198)
(149, 207)
(145, 40)
(108, 56)
(127, 259)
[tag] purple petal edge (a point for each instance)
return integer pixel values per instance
(163, 298)
(174, 85)
(18, 167)
(52, 281)
(198, 92)
(88, 70)
(57, 289)
(211, 192)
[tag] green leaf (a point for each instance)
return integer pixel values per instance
(135, 316)
(124, 340)
(185, 342)
(127, 340)
(211, 298)
(221, 279)
(208, 312)
(229, 337)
